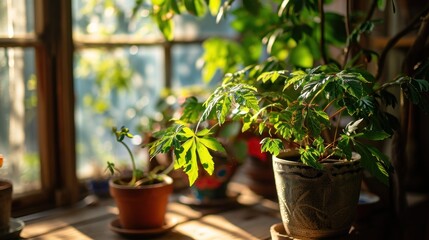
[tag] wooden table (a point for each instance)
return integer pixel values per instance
(249, 217)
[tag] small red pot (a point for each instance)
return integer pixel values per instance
(142, 207)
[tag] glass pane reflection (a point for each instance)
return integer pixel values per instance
(10, 25)
(113, 88)
(18, 119)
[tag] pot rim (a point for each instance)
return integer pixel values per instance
(281, 158)
(167, 180)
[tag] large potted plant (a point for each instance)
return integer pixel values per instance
(323, 113)
(141, 198)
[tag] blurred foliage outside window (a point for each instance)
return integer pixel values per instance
(121, 76)
(18, 99)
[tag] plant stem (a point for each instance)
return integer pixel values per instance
(371, 11)
(338, 112)
(322, 32)
(169, 168)
(395, 39)
(347, 33)
(134, 178)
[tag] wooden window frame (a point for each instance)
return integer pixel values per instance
(53, 48)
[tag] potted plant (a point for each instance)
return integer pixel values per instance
(320, 115)
(141, 198)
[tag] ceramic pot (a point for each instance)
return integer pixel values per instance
(142, 207)
(317, 203)
(5, 205)
(213, 187)
(98, 187)
(261, 177)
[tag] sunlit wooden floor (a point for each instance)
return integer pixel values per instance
(249, 218)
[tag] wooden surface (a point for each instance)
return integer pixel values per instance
(249, 217)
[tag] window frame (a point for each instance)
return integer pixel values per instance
(54, 48)
(52, 44)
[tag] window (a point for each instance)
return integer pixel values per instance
(121, 69)
(36, 103)
(71, 69)
(19, 104)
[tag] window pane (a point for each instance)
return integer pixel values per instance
(114, 88)
(188, 27)
(10, 24)
(187, 67)
(18, 119)
(100, 19)
(105, 18)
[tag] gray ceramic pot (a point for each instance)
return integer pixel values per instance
(315, 203)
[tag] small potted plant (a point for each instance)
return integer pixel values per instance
(141, 198)
(318, 118)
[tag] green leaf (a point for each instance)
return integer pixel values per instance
(192, 109)
(252, 6)
(203, 132)
(421, 84)
(375, 135)
(301, 56)
(181, 158)
(381, 4)
(188, 132)
(310, 157)
(344, 145)
(223, 109)
(272, 145)
(191, 167)
(212, 144)
(196, 7)
(352, 85)
(316, 120)
(174, 6)
(166, 26)
(335, 31)
(205, 157)
(214, 6)
(388, 98)
(374, 161)
(295, 77)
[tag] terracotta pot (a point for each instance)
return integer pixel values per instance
(142, 207)
(5, 205)
(317, 203)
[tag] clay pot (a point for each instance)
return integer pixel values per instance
(5, 205)
(317, 203)
(142, 207)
